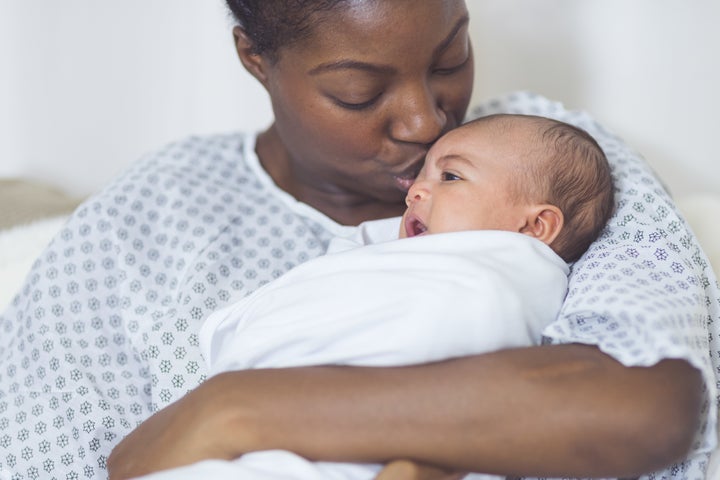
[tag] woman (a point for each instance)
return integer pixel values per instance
(103, 333)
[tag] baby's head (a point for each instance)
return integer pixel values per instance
(520, 173)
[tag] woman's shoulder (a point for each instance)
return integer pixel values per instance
(194, 185)
(647, 227)
(205, 154)
(198, 163)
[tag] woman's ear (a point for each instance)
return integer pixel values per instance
(253, 63)
(543, 222)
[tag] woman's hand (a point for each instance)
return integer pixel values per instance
(185, 432)
(407, 470)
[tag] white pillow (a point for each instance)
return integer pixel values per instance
(19, 247)
(702, 212)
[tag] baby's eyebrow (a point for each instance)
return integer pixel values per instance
(452, 157)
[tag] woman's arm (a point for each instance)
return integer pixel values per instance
(566, 410)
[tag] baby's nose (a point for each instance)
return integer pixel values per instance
(414, 194)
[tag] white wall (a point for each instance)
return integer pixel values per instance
(87, 86)
(91, 85)
(647, 69)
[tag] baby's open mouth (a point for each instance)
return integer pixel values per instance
(414, 227)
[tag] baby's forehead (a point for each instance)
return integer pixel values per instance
(508, 142)
(507, 124)
(497, 134)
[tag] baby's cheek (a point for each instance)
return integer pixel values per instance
(402, 233)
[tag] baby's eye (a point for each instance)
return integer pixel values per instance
(449, 177)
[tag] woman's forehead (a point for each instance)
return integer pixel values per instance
(382, 27)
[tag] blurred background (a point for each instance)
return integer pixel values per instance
(88, 86)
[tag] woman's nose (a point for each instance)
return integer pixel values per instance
(418, 117)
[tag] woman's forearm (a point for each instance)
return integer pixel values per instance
(545, 411)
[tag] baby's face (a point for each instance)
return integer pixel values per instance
(465, 184)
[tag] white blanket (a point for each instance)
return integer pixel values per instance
(395, 303)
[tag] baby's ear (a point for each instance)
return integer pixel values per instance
(543, 222)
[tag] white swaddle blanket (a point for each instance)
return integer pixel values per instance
(394, 303)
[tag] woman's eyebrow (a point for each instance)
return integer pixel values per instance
(347, 64)
(464, 20)
(351, 64)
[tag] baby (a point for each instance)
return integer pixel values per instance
(524, 174)
(501, 206)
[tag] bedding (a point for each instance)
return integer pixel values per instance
(702, 211)
(20, 245)
(25, 201)
(30, 214)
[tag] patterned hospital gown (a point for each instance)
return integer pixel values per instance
(104, 330)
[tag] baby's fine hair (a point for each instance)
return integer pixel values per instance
(273, 24)
(573, 174)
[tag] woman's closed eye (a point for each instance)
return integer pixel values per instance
(356, 105)
(452, 69)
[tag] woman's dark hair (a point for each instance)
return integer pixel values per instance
(273, 24)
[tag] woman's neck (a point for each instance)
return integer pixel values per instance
(346, 208)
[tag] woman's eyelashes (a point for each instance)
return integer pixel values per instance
(453, 69)
(457, 57)
(356, 106)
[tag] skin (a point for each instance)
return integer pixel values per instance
(468, 183)
(354, 113)
(400, 469)
(565, 410)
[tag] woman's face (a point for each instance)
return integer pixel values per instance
(359, 102)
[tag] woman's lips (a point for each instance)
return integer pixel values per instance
(404, 183)
(406, 178)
